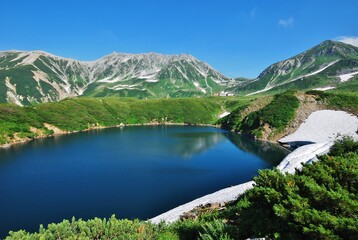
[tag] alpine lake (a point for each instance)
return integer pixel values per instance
(132, 172)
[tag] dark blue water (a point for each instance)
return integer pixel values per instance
(133, 172)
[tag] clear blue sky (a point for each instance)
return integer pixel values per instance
(237, 37)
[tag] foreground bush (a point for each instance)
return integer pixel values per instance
(98, 229)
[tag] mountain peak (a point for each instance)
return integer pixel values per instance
(319, 66)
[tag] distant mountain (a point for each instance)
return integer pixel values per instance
(37, 76)
(323, 66)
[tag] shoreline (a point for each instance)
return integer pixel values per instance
(60, 132)
(329, 125)
(289, 164)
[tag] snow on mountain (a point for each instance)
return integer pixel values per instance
(326, 64)
(346, 77)
(37, 76)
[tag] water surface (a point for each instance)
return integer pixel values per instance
(133, 172)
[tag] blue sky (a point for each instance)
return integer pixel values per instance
(237, 37)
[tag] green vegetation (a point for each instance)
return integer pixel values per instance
(318, 202)
(98, 229)
(84, 113)
(293, 73)
(277, 115)
(337, 100)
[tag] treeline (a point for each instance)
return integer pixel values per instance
(83, 113)
(318, 202)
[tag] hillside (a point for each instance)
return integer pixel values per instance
(324, 66)
(18, 124)
(36, 76)
(270, 118)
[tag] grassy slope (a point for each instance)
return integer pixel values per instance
(276, 115)
(345, 98)
(83, 113)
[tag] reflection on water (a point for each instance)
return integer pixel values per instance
(198, 142)
(189, 144)
(267, 151)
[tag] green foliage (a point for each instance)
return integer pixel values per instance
(319, 202)
(280, 111)
(214, 231)
(187, 229)
(98, 229)
(277, 115)
(347, 101)
(84, 113)
(233, 120)
(344, 145)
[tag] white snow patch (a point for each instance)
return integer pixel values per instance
(324, 88)
(203, 90)
(260, 91)
(304, 154)
(224, 114)
(324, 126)
(222, 196)
(315, 72)
(321, 128)
(110, 79)
(346, 77)
(197, 85)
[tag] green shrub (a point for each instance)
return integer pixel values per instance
(214, 231)
(319, 202)
(276, 114)
(347, 101)
(344, 145)
(98, 229)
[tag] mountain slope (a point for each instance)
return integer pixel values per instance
(320, 66)
(36, 76)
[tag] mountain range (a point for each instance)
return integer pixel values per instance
(36, 76)
(29, 77)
